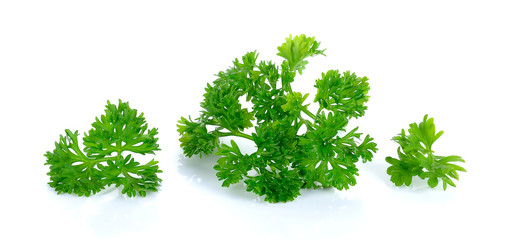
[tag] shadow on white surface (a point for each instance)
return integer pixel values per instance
(114, 216)
(315, 211)
(312, 211)
(109, 213)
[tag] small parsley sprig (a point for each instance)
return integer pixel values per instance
(285, 161)
(416, 157)
(103, 162)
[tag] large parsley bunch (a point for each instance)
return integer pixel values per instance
(103, 162)
(285, 161)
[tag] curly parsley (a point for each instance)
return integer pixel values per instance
(103, 162)
(416, 157)
(285, 160)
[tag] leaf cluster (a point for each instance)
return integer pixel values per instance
(296, 148)
(416, 157)
(103, 161)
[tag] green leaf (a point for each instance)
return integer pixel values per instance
(233, 165)
(195, 138)
(329, 160)
(281, 186)
(294, 103)
(417, 157)
(221, 104)
(119, 130)
(399, 172)
(432, 182)
(70, 170)
(268, 104)
(134, 177)
(346, 93)
(366, 149)
(296, 49)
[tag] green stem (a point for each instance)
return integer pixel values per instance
(307, 123)
(230, 133)
(311, 115)
(290, 89)
(235, 134)
(319, 110)
(119, 151)
(96, 161)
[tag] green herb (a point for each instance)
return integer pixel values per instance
(286, 160)
(416, 157)
(103, 162)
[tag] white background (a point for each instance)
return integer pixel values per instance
(60, 61)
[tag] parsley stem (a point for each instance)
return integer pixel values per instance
(231, 133)
(119, 151)
(306, 111)
(307, 123)
(235, 134)
(319, 111)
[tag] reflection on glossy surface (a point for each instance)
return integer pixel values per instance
(110, 213)
(115, 216)
(314, 210)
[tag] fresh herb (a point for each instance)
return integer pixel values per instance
(286, 160)
(416, 157)
(103, 162)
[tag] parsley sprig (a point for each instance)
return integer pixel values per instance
(416, 157)
(103, 162)
(285, 161)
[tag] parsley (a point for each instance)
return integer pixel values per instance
(285, 161)
(102, 162)
(416, 157)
